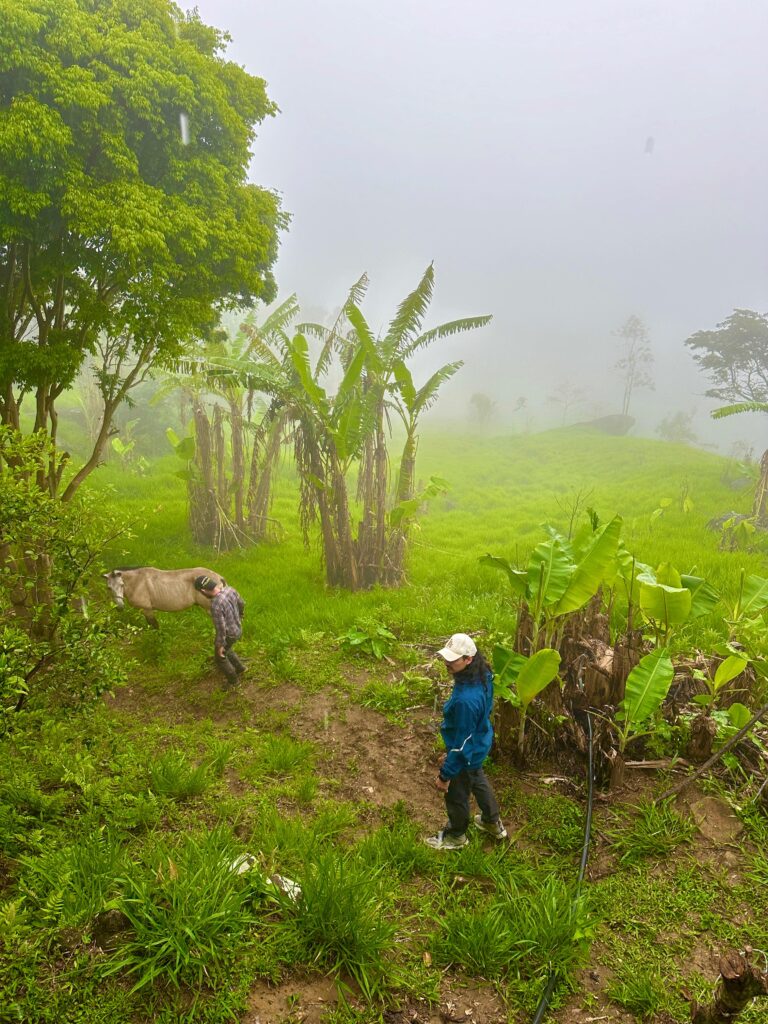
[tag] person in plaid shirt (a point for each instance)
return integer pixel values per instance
(227, 609)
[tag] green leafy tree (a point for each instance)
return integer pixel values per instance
(52, 642)
(735, 358)
(126, 216)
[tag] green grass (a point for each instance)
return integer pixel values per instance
(144, 805)
(503, 490)
(650, 830)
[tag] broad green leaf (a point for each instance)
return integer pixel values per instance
(739, 715)
(347, 434)
(549, 570)
(668, 575)
(364, 336)
(186, 449)
(507, 664)
(405, 383)
(299, 351)
(669, 605)
(352, 375)
(518, 580)
(173, 437)
(536, 674)
(727, 670)
(647, 685)
(630, 570)
(755, 595)
(589, 573)
(704, 597)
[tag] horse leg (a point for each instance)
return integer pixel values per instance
(149, 615)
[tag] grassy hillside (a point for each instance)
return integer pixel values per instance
(502, 491)
(122, 829)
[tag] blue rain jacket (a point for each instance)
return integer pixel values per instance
(466, 730)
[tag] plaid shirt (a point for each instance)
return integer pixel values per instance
(227, 611)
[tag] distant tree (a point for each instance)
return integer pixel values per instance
(483, 408)
(567, 396)
(735, 357)
(127, 217)
(634, 365)
(677, 428)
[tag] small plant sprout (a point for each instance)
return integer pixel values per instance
(730, 668)
(370, 638)
(520, 679)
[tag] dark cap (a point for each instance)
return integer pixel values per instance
(205, 583)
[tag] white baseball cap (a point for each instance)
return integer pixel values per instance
(459, 646)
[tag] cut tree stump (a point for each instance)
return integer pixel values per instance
(740, 981)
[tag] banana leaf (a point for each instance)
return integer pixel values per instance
(704, 597)
(549, 572)
(728, 670)
(668, 605)
(536, 674)
(755, 595)
(518, 579)
(590, 571)
(647, 685)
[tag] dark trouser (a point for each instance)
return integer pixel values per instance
(230, 664)
(471, 781)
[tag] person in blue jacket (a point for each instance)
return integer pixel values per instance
(468, 734)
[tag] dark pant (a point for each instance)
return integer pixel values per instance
(471, 781)
(230, 664)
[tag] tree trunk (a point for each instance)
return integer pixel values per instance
(739, 983)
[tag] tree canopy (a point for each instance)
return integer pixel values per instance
(126, 217)
(735, 357)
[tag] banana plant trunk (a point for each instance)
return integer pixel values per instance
(406, 487)
(740, 982)
(760, 506)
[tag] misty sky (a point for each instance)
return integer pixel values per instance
(564, 168)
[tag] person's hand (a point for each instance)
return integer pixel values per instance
(441, 759)
(441, 785)
(221, 652)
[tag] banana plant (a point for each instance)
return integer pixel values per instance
(647, 686)
(666, 598)
(731, 667)
(562, 576)
(519, 679)
(386, 384)
(752, 598)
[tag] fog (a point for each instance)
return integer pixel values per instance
(564, 168)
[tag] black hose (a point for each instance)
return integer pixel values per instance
(541, 1009)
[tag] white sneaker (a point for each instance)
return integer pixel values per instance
(443, 842)
(493, 828)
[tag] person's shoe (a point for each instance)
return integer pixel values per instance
(493, 828)
(444, 842)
